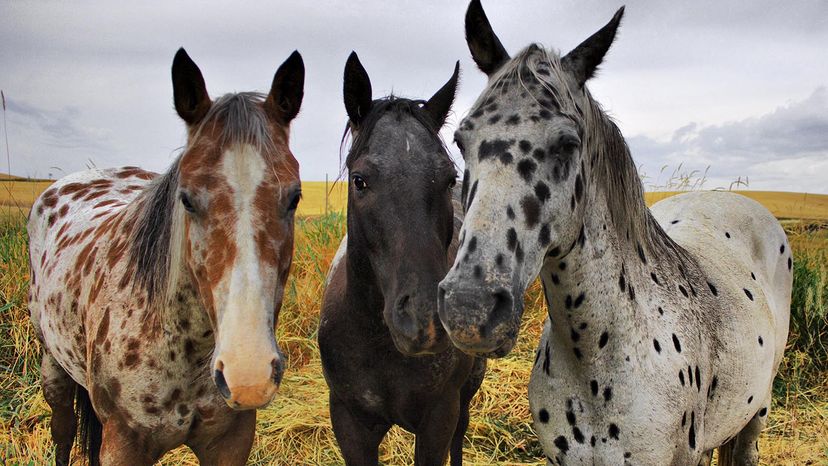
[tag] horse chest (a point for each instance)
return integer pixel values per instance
(613, 411)
(618, 390)
(167, 400)
(372, 375)
(157, 379)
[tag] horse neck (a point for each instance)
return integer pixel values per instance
(362, 291)
(184, 315)
(614, 277)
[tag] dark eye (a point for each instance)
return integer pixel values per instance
(453, 182)
(187, 203)
(359, 183)
(569, 143)
(294, 201)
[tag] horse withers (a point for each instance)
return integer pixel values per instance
(156, 296)
(385, 354)
(665, 328)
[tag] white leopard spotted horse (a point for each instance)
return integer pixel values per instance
(666, 326)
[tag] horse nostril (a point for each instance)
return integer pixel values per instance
(221, 384)
(405, 318)
(501, 311)
(278, 370)
(402, 302)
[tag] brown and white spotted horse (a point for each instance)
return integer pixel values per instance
(156, 296)
(666, 326)
(387, 359)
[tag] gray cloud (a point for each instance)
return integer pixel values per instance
(59, 128)
(783, 149)
(99, 72)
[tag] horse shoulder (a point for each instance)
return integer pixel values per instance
(332, 316)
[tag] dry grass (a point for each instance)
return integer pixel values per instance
(295, 429)
(314, 197)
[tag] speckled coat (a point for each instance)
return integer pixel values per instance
(665, 328)
(159, 294)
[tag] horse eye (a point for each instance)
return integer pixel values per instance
(359, 183)
(294, 202)
(185, 201)
(569, 143)
(453, 183)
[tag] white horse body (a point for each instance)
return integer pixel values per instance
(623, 400)
(55, 313)
(752, 229)
(666, 327)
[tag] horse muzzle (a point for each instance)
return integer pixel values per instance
(248, 389)
(413, 331)
(481, 320)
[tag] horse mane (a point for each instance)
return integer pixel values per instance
(391, 104)
(240, 118)
(151, 239)
(605, 148)
(157, 239)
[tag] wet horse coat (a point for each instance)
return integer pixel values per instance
(665, 328)
(158, 294)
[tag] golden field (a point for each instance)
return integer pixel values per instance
(319, 197)
(295, 429)
(20, 194)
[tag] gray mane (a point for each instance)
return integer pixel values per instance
(605, 150)
(241, 119)
(155, 243)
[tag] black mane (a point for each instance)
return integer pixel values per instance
(379, 108)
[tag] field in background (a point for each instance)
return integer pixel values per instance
(295, 429)
(20, 194)
(783, 205)
(319, 198)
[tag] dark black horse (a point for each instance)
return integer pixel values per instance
(386, 357)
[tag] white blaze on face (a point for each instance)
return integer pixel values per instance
(245, 344)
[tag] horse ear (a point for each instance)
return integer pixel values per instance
(356, 90)
(584, 59)
(189, 90)
(485, 47)
(287, 90)
(439, 104)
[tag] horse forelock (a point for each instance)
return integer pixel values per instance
(237, 119)
(544, 67)
(397, 106)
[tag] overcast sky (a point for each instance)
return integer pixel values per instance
(734, 85)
